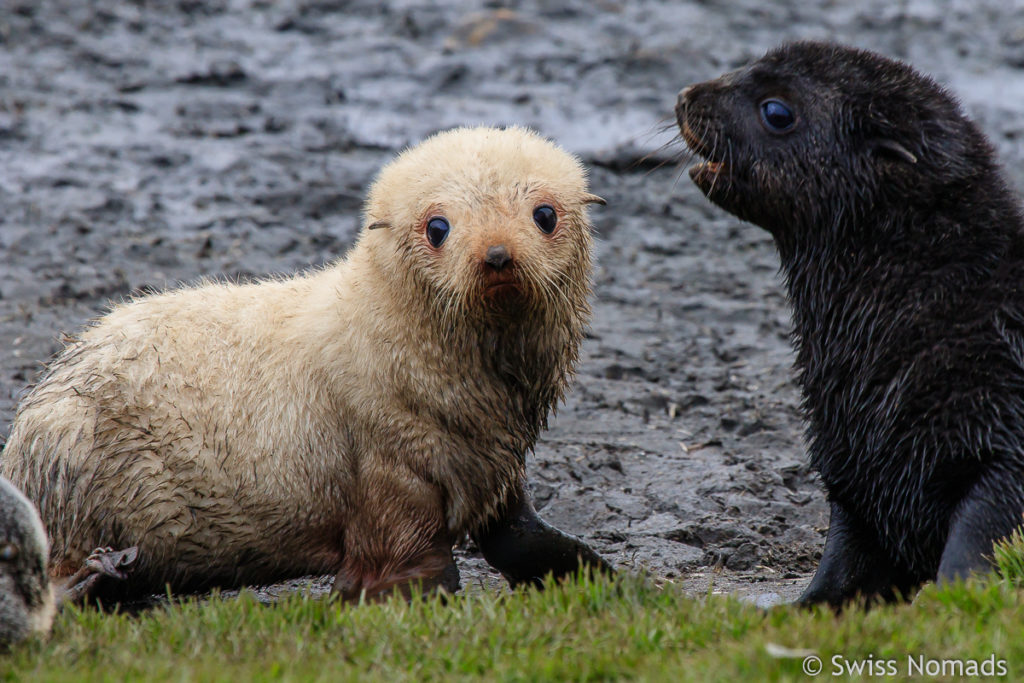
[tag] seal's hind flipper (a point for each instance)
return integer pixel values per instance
(103, 564)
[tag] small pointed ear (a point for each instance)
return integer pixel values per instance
(893, 149)
(378, 224)
(588, 198)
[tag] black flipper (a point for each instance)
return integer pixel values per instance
(525, 548)
(990, 511)
(853, 566)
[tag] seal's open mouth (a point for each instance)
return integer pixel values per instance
(706, 171)
(693, 141)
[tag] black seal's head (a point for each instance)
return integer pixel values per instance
(817, 136)
(26, 598)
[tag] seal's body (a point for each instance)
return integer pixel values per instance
(358, 419)
(27, 602)
(903, 252)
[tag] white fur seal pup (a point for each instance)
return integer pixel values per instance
(355, 420)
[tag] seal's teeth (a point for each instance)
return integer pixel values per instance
(714, 167)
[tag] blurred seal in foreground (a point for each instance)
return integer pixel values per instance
(26, 599)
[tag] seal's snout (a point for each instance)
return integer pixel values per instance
(498, 257)
(694, 115)
(685, 110)
(499, 274)
(681, 101)
(683, 98)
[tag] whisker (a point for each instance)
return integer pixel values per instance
(714, 149)
(728, 166)
(663, 124)
(552, 282)
(679, 175)
(660, 165)
(655, 152)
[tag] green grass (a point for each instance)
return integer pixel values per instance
(603, 630)
(1009, 558)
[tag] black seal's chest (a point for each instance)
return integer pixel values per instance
(911, 375)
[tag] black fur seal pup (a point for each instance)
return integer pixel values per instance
(902, 247)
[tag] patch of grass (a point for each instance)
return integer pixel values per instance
(584, 630)
(1009, 557)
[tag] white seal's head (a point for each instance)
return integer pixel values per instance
(488, 224)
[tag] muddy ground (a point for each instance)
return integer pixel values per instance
(144, 144)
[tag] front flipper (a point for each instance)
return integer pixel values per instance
(853, 566)
(433, 570)
(524, 548)
(990, 511)
(101, 566)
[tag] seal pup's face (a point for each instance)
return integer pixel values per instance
(26, 598)
(813, 136)
(487, 223)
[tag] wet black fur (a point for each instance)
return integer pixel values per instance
(902, 248)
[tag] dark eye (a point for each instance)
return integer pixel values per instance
(437, 231)
(777, 116)
(545, 218)
(8, 552)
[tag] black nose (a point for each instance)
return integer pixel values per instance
(498, 257)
